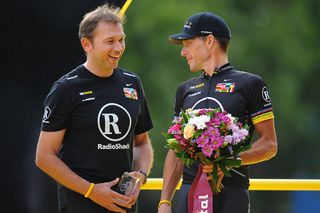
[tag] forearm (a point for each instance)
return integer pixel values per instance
(60, 172)
(172, 173)
(143, 157)
(261, 150)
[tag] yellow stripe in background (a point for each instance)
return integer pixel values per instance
(125, 7)
(262, 117)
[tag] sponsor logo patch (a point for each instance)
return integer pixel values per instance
(89, 99)
(225, 87)
(197, 86)
(129, 74)
(86, 93)
(114, 122)
(113, 146)
(72, 77)
(46, 115)
(130, 93)
(194, 94)
(265, 94)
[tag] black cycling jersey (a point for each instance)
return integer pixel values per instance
(101, 117)
(241, 94)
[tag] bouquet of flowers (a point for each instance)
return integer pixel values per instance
(210, 136)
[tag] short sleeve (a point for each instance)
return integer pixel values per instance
(144, 122)
(260, 107)
(57, 108)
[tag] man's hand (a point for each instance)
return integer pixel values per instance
(103, 195)
(164, 208)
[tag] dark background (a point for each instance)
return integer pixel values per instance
(278, 40)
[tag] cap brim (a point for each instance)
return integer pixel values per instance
(178, 38)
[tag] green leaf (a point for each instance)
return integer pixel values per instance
(231, 162)
(188, 162)
(174, 144)
(185, 116)
(218, 159)
(242, 149)
(203, 159)
(224, 170)
(180, 154)
(167, 136)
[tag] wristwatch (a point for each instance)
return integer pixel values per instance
(145, 176)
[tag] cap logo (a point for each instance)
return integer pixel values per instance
(206, 32)
(188, 24)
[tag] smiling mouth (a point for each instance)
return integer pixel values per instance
(114, 57)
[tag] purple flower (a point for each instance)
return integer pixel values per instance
(202, 140)
(215, 121)
(207, 150)
(216, 142)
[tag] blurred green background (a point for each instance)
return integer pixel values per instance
(278, 40)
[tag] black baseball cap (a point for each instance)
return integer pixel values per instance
(202, 24)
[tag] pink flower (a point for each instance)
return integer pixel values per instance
(207, 150)
(175, 129)
(202, 140)
(216, 142)
(180, 139)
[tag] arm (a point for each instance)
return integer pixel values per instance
(265, 147)
(142, 160)
(46, 159)
(172, 173)
(142, 153)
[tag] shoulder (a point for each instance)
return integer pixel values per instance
(70, 78)
(127, 74)
(188, 83)
(66, 82)
(246, 77)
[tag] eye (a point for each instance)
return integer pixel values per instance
(121, 40)
(108, 41)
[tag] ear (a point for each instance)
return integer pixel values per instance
(86, 44)
(210, 41)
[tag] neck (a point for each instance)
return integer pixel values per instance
(100, 71)
(214, 62)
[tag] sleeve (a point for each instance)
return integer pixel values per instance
(144, 122)
(178, 101)
(57, 109)
(260, 107)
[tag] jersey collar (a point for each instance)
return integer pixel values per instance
(224, 68)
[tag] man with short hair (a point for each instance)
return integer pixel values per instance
(205, 39)
(95, 124)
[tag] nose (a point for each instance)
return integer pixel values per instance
(118, 46)
(183, 52)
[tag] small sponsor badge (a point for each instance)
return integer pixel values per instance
(130, 93)
(225, 87)
(46, 115)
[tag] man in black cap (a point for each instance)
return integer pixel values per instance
(205, 39)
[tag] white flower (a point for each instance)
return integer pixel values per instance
(199, 122)
(231, 118)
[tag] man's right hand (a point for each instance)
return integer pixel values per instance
(103, 195)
